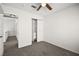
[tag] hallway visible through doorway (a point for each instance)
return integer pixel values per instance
(34, 30)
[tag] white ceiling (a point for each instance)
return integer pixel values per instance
(43, 11)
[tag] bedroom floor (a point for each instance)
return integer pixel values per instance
(36, 49)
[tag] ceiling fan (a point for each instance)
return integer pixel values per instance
(43, 5)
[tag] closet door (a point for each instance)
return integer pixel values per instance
(40, 30)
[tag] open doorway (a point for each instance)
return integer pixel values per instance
(10, 33)
(34, 30)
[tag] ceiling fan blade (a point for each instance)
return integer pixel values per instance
(39, 8)
(33, 6)
(48, 6)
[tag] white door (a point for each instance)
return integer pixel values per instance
(40, 30)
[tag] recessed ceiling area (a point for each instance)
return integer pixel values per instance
(43, 11)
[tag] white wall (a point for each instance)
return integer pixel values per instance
(62, 28)
(10, 26)
(1, 34)
(1, 46)
(24, 25)
(1, 10)
(1, 25)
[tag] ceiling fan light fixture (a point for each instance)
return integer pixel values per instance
(43, 4)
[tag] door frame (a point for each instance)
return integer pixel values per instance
(36, 28)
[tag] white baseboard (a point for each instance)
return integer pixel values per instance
(62, 46)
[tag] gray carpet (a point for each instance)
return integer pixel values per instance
(37, 49)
